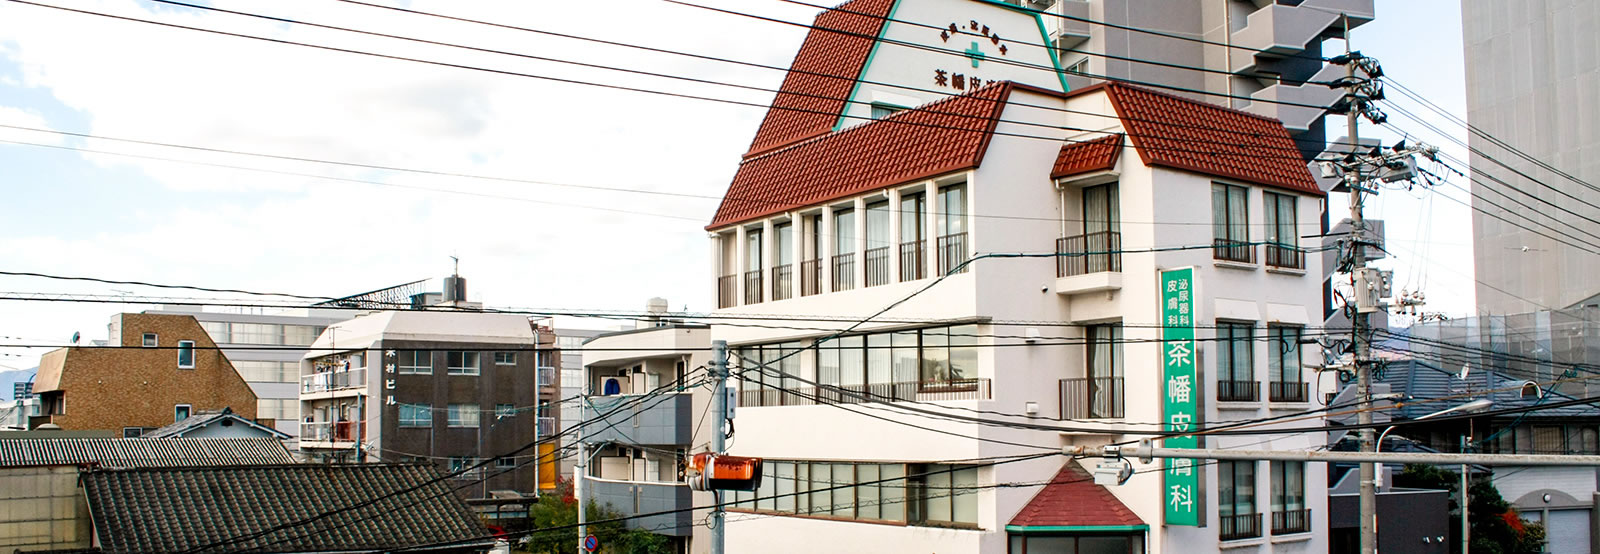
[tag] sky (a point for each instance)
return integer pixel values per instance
(539, 233)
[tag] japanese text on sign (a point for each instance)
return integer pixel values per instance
(1180, 402)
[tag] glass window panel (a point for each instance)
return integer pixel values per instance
(784, 481)
(299, 335)
(851, 361)
(964, 352)
(218, 331)
(1219, 211)
(1225, 489)
(868, 500)
(765, 490)
(937, 493)
(463, 415)
(893, 491)
(878, 225)
(821, 496)
(415, 362)
(879, 359)
(828, 363)
(1014, 544)
(416, 415)
(905, 356)
(1238, 221)
(935, 355)
(186, 353)
(802, 485)
(752, 250)
(964, 499)
(844, 232)
(1102, 545)
(771, 380)
(913, 217)
(953, 209)
(1052, 545)
(783, 243)
(844, 500)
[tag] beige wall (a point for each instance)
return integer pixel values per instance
(42, 508)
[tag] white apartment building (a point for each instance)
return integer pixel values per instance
(1100, 190)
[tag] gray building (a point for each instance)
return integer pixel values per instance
(570, 341)
(1533, 82)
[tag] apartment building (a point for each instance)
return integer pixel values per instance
(646, 408)
(570, 412)
(1066, 241)
(154, 370)
(446, 387)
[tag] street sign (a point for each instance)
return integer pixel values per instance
(591, 543)
(1180, 394)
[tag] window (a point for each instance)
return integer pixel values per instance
(952, 226)
(181, 412)
(844, 250)
(783, 262)
(1104, 365)
(465, 466)
(185, 354)
(1079, 67)
(150, 340)
(281, 409)
(461, 363)
(1289, 514)
(505, 462)
(943, 495)
(877, 366)
(505, 358)
(1236, 379)
(1231, 223)
(463, 415)
(1101, 230)
(416, 415)
(1282, 235)
(268, 372)
(504, 410)
(1049, 543)
(416, 362)
(913, 236)
(300, 335)
(1283, 364)
(132, 432)
(1236, 500)
(836, 490)
(880, 111)
(218, 331)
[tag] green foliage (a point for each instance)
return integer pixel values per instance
(1496, 527)
(559, 512)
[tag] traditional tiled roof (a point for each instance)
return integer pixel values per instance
(1209, 139)
(822, 75)
(198, 421)
(133, 453)
(940, 137)
(1082, 157)
(179, 509)
(1071, 499)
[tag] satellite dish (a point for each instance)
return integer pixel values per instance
(74, 337)
(1466, 369)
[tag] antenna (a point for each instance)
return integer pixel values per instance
(457, 269)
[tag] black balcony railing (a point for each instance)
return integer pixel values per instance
(844, 272)
(1088, 253)
(913, 260)
(810, 277)
(782, 282)
(878, 272)
(1279, 391)
(1233, 251)
(752, 287)
(1247, 526)
(1291, 521)
(752, 394)
(1286, 257)
(727, 291)
(952, 252)
(1238, 391)
(1092, 398)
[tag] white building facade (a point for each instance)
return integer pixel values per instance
(1068, 205)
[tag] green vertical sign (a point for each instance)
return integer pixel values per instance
(1180, 396)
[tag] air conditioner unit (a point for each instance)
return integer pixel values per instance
(1040, 4)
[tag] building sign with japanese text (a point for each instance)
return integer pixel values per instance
(1180, 396)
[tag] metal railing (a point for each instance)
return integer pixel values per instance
(333, 380)
(547, 376)
(782, 282)
(844, 272)
(1247, 526)
(727, 291)
(1238, 391)
(913, 260)
(1291, 521)
(1285, 256)
(952, 252)
(752, 287)
(878, 266)
(1233, 251)
(1088, 253)
(547, 426)
(921, 391)
(1283, 391)
(810, 277)
(330, 431)
(1092, 398)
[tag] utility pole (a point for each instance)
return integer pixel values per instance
(1358, 320)
(580, 471)
(719, 405)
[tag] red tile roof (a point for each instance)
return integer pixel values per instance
(937, 138)
(1081, 157)
(814, 93)
(1206, 138)
(1073, 500)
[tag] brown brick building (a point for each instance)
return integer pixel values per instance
(166, 368)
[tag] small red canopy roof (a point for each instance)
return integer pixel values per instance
(1072, 499)
(1077, 158)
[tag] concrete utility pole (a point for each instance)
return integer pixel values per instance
(581, 472)
(1145, 452)
(719, 405)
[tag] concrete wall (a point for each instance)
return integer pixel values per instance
(42, 508)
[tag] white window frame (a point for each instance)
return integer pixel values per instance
(404, 369)
(473, 369)
(189, 344)
(511, 358)
(406, 423)
(188, 408)
(457, 416)
(151, 340)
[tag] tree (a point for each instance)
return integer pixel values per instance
(559, 513)
(1496, 526)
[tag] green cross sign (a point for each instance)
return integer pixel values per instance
(974, 53)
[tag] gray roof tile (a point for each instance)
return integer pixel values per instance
(133, 453)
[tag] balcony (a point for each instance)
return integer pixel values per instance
(1291, 101)
(810, 277)
(782, 281)
(727, 295)
(844, 272)
(331, 431)
(920, 391)
(665, 419)
(1291, 521)
(546, 426)
(333, 380)
(1281, 30)
(878, 272)
(1232, 528)
(1285, 257)
(1092, 398)
(631, 498)
(1073, 30)
(752, 287)
(1238, 391)
(952, 253)
(913, 260)
(1230, 250)
(1278, 391)
(1089, 253)
(547, 376)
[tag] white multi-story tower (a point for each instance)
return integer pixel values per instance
(838, 216)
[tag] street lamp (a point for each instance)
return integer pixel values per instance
(1473, 406)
